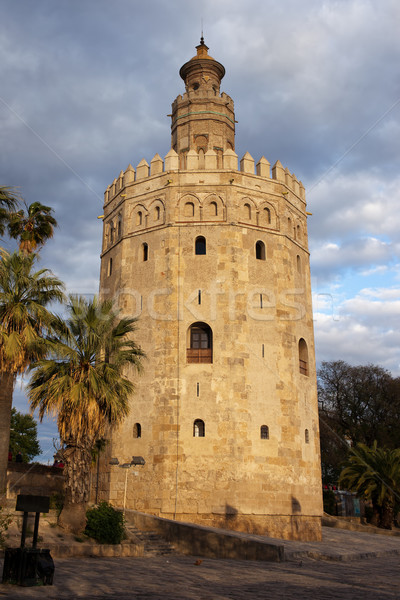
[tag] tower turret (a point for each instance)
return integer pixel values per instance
(202, 119)
(212, 258)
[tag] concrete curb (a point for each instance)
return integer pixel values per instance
(339, 557)
(92, 550)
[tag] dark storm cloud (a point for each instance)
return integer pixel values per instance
(87, 86)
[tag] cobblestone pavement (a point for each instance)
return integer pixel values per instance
(180, 578)
(175, 577)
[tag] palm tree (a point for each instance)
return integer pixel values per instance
(8, 204)
(82, 382)
(33, 226)
(24, 320)
(374, 473)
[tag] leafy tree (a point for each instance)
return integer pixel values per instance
(23, 436)
(32, 226)
(374, 473)
(356, 405)
(24, 322)
(82, 382)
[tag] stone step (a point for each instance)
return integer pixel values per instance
(154, 543)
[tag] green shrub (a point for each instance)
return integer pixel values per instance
(105, 524)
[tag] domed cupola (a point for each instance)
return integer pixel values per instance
(202, 72)
(203, 119)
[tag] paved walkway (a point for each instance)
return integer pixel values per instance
(344, 576)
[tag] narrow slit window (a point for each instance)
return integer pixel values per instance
(199, 297)
(262, 350)
(145, 252)
(261, 301)
(264, 432)
(119, 226)
(303, 357)
(137, 430)
(110, 267)
(307, 436)
(198, 389)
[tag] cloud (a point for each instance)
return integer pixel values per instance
(315, 85)
(362, 329)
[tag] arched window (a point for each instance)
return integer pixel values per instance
(199, 429)
(199, 344)
(157, 213)
(303, 357)
(247, 211)
(182, 160)
(189, 209)
(111, 232)
(139, 218)
(307, 436)
(200, 245)
(213, 209)
(201, 158)
(267, 215)
(137, 430)
(298, 232)
(260, 250)
(145, 252)
(264, 432)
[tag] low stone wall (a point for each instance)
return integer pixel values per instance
(210, 542)
(33, 479)
(354, 524)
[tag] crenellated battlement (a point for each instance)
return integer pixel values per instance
(203, 95)
(205, 162)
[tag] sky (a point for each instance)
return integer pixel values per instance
(86, 89)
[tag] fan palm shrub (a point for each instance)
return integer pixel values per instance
(83, 382)
(374, 474)
(24, 323)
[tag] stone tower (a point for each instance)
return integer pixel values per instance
(213, 260)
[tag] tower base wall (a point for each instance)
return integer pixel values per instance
(287, 527)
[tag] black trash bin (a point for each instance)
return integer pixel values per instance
(28, 566)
